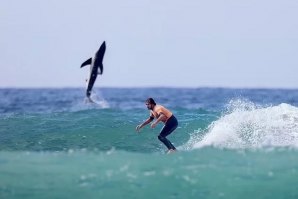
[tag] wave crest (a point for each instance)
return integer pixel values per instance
(248, 126)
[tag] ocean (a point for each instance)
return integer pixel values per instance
(232, 143)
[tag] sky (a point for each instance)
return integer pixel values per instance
(150, 43)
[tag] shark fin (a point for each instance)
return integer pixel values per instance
(87, 62)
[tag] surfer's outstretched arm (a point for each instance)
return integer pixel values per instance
(161, 117)
(138, 128)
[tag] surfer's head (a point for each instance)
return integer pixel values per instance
(150, 103)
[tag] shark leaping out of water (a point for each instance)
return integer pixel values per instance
(95, 63)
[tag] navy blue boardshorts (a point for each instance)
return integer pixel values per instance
(170, 125)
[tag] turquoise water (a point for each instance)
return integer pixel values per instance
(233, 143)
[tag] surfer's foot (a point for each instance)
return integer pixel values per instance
(171, 151)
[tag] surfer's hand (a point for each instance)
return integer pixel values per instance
(153, 125)
(138, 128)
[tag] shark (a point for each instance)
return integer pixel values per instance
(96, 68)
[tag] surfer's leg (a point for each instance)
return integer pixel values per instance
(166, 142)
(169, 127)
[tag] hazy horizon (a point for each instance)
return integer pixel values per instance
(152, 87)
(230, 44)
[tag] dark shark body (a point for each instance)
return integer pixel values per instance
(95, 64)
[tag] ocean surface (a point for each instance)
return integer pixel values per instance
(232, 143)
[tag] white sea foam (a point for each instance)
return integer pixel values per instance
(99, 100)
(247, 126)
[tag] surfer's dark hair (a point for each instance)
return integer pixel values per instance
(150, 101)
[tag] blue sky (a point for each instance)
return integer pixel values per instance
(193, 43)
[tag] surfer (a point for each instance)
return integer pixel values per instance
(161, 114)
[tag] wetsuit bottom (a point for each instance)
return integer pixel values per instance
(167, 129)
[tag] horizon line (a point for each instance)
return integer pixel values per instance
(152, 87)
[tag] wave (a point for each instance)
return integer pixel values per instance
(247, 125)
